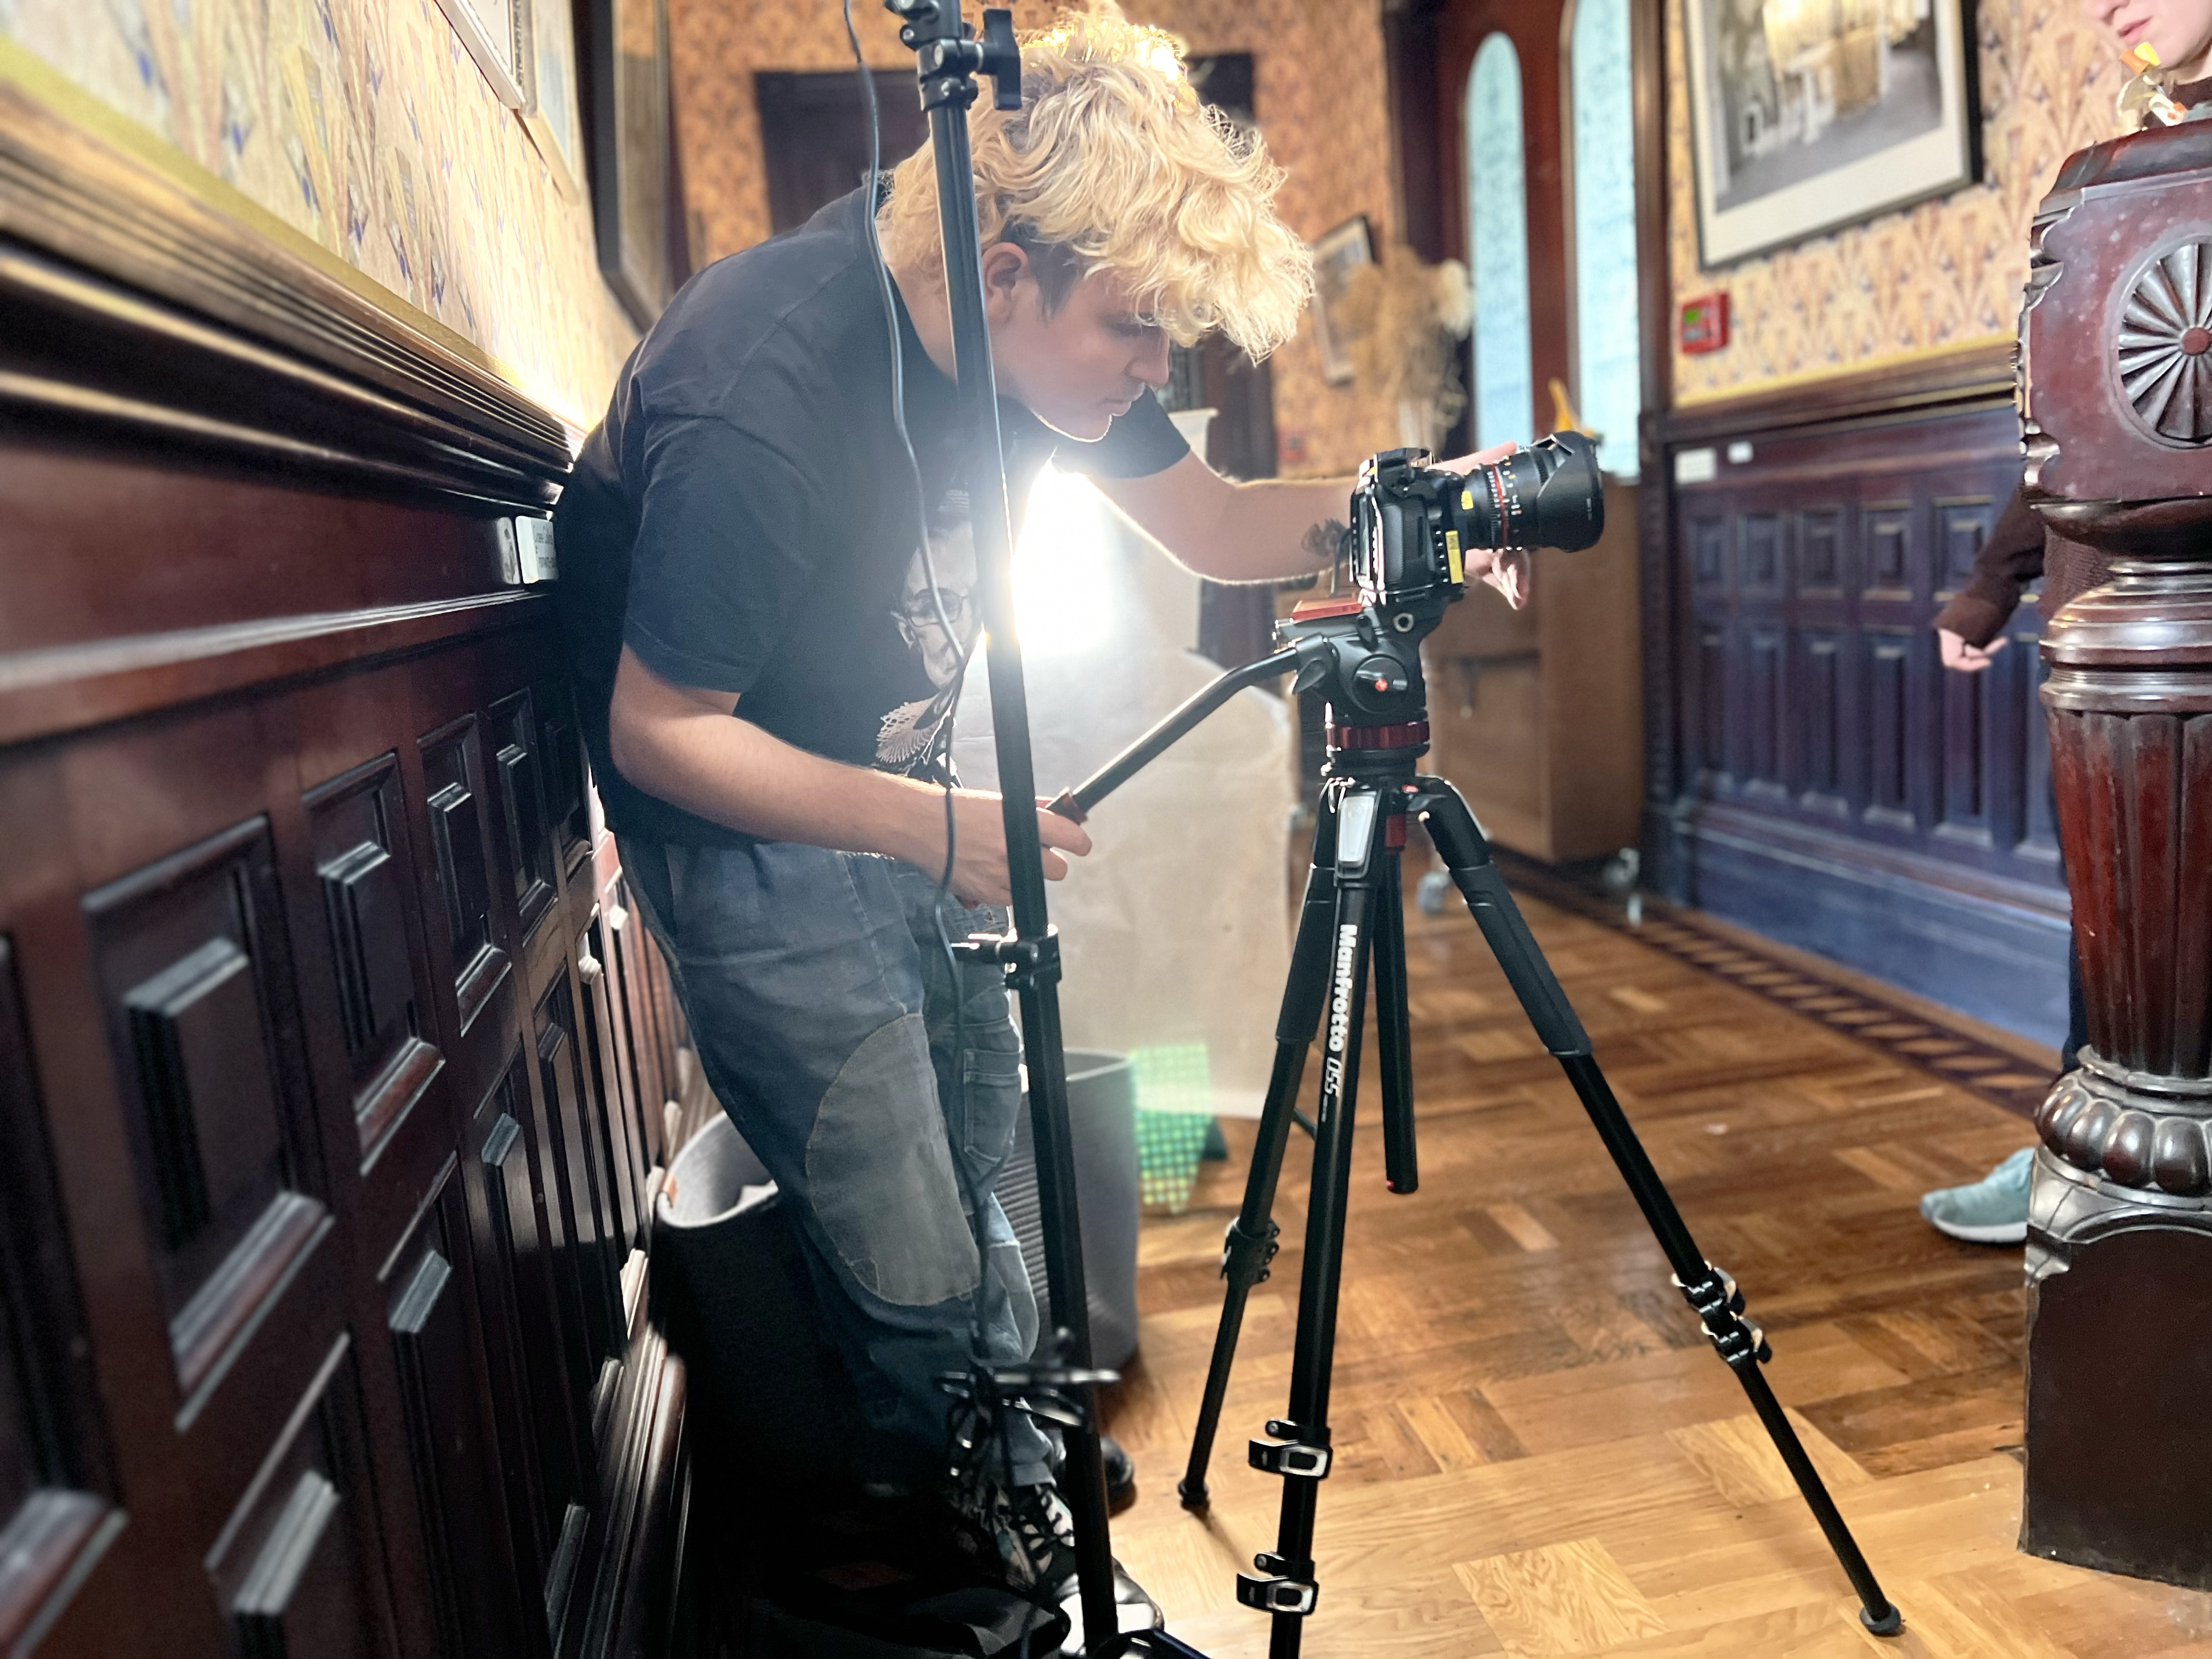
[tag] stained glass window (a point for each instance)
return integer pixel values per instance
(1498, 245)
(1608, 365)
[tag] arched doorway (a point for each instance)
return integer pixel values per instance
(1528, 146)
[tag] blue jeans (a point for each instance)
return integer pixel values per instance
(823, 1007)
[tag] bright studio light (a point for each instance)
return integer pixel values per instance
(1063, 597)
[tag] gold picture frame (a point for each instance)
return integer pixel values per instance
(1336, 255)
(551, 110)
(496, 33)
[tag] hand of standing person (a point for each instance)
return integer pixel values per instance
(1967, 659)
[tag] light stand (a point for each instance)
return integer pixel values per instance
(948, 61)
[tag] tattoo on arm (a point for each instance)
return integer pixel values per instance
(1323, 540)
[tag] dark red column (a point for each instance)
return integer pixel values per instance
(2117, 399)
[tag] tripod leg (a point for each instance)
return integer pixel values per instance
(1298, 1446)
(1401, 1171)
(1250, 1246)
(1712, 1293)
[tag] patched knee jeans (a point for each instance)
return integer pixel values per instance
(823, 1009)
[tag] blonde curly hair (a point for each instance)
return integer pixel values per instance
(1113, 163)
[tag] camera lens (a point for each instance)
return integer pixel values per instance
(1548, 494)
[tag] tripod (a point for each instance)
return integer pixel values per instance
(1352, 925)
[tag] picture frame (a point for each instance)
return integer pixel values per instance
(1336, 255)
(495, 32)
(630, 156)
(550, 111)
(1808, 116)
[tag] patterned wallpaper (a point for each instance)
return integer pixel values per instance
(1941, 275)
(1318, 90)
(364, 126)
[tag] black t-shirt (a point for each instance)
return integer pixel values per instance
(744, 518)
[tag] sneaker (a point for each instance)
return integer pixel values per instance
(1133, 1610)
(1024, 1537)
(1990, 1210)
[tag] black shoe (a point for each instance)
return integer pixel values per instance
(1121, 1474)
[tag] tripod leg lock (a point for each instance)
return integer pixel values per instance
(1719, 1304)
(1245, 1257)
(1286, 1586)
(1288, 1453)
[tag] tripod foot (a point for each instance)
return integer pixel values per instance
(1195, 1496)
(1889, 1624)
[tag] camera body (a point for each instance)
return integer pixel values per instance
(1412, 527)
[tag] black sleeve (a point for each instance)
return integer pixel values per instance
(724, 545)
(2010, 558)
(1138, 444)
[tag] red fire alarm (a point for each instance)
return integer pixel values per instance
(1705, 325)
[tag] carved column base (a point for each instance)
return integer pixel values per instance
(2119, 1349)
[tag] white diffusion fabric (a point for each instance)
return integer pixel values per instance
(1175, 931)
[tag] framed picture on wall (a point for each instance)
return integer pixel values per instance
(1808, 115)
(550, 110)
(495, 32)
(629, 151)
(1336, 255)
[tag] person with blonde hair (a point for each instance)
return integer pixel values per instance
(768, 611)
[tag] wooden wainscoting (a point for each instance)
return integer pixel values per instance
(335, 1075)
(1816, 774)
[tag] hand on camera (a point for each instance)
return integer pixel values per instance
(979, 852)
(1505, 569)
(1967, 659)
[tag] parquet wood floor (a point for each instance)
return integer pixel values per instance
(1537, 1451)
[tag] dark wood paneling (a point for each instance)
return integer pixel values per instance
(49, 1527)
(321, 1326)
(365, 870)
(1815, 731)
(195, 973)
(450, 771)
(515, 754)
(435, 1344)
(294, 1565)
(1979, 374)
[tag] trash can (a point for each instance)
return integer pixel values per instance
(1102, 1110)
(740, 1312)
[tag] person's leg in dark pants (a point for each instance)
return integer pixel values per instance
(822, 1009)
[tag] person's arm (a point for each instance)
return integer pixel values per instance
(681, 743)
(1969, 629)
(1269, 528)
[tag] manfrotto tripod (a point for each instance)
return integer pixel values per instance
(1352, 925)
